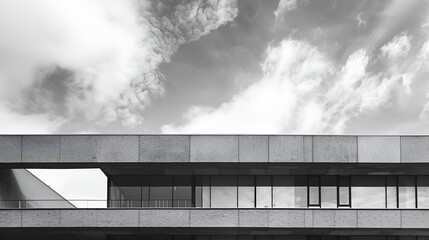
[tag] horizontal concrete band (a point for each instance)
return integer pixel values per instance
(219, 218)
(212, 148)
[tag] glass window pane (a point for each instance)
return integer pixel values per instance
(289, 192)
(127, 192)
(344, 191)
(368, 192)
(246, 192)
(182, 191)
(161, 191)
(423, 191)
(145, 191)
(263, 192)
(329, 191)
(313, 190)
(391, 192)
(224, 192)
(407, 191)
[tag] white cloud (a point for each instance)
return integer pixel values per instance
(303, 91)
(284, 7)
(103, 55)
(398, 47)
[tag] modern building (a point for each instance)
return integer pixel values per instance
(229, 187)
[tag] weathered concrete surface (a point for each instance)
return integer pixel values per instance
(379, 149)
(164, 148)
(170, 217)
(334, 149)
(214, 149)
(10, 149)
(415, 149)
(253, 148)
(218, 218)
(286, 149)
(41, 148)
(78, 148)
(117, 148)
(214, 218)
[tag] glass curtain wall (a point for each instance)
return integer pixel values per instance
(359, 192)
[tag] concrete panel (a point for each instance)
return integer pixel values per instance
(334, 149)
(323, 218)
(10, 149)
(415, 219)
(214, 218)
(118, 218)
(286, 148)
(10, 218)
(379, 218)
(415, 149)
(214, 148)
(164, 218)
(164, 148)
(41, 148)
(41, 218)
(345, 218)
(78, 148)
(117, 149)
(308, 218)
(308, 149)
(286, 218)
(378, 149)
(253, 218)
(253, 148)
(79, 218)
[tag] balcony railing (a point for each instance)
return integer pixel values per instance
(79, 203)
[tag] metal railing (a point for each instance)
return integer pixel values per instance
(84, 203)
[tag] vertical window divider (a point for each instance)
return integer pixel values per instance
(320, 191)
(397, 191)
(108, 192)
(350, 191)
(272, 194)
(385, 192)
(415, 189)
(254, 191)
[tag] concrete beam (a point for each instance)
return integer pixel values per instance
(214, 149)
(377, 219)
(93, 149)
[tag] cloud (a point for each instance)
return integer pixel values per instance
(398, 47)
(284, 7)
(303, 90)
(97, 59)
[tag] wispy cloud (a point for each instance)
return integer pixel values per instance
(95, 60)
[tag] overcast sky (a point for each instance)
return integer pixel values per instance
(110, 66)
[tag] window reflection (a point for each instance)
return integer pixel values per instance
(343, 191)
(289, 192)
(407, 193)
(224, 192)
(263, 191)
(368, 192)
(423, 191)
(391, 192)
(329, 191)
(246, 192)
(314, 191)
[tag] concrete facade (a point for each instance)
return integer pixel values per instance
(375, 220)
(213, 149)
(214, 155)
